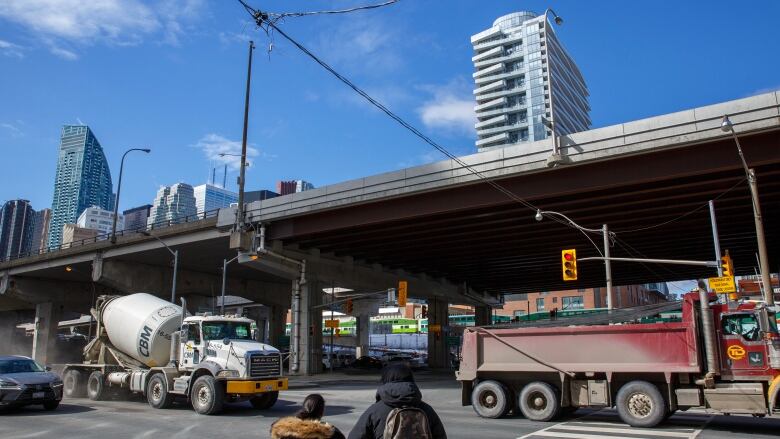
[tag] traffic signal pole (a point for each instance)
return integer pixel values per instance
(715, 238)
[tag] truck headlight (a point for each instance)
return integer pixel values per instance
(227, 374)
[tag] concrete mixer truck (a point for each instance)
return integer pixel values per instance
(147, 345)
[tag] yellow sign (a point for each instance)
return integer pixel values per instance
(723, 284)
(402, 291)
(434, 328)
(331, 323)
(736, 352)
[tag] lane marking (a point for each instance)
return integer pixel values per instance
(628, 430)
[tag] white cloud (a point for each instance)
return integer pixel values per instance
(116, 22)
(213, 145)
(8, 48)
(363, 44)
(450, 109)
(12, 129)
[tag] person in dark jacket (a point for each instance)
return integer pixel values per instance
(398, 389)
(307, 423)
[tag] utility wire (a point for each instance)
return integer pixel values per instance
(337, 11)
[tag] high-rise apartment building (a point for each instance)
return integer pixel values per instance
(526, 83)
(102, 220)
(83, 179)
(40, 230)
(72, 234)
(209, 197)
(137, 217)
(17, 220)
(292, 186)
(173, 203)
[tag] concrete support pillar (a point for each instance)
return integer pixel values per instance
(482, 315)
(363, 335)
(277, 319)
(310, 356)
(437, 340)
(47, 317)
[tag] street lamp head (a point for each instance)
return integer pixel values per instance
(539, 215)
(558, 20)
(146, 150)
(726, 124)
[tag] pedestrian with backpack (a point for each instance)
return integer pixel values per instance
(399, 412)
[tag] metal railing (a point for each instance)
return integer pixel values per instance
(106, 236)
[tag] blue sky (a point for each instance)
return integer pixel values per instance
(169, 75)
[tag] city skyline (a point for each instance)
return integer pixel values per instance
(426, 67)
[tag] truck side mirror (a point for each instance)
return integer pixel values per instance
(255, 334)
(183, 336)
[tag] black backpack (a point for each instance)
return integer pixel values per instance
(407, 423)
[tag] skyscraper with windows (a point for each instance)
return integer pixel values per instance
(17, 222)
(172, 204)
(83, 179)
(137, 217)
(292, 186)
(209, 197)
(525, 82)
(40, 230)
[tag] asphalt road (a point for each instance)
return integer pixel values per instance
(82, 418)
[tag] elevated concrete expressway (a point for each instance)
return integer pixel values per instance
(454, 237)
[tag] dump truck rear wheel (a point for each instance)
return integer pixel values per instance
(157, 393)
(95, 385)
(490, 399)
(264, 401)
(640, 404)
(539, 401)
(74, 385)
(207, 395)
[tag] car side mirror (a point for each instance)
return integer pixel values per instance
(48, 368)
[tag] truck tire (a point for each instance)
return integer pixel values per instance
(640, 404)
(264, 401)
(73, 384)
(539, 401)
(491, 399)
(95, 385)
(207, 395)
(157, 393)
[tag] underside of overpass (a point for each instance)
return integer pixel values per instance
(655, 203)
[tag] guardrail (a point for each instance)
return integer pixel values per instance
(105, 236)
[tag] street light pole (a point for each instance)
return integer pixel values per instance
(175, 254)
(225, 263)
(763, 259)
(119, 190)
(606, 233)
(556, 149)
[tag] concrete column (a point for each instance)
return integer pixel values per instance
(437, 341)
(311, 328)
(277, 319)
(363, 335)
(47, 317)
(482, 315)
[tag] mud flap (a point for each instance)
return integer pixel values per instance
(465, 392)
(772, 394)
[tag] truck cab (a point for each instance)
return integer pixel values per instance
(748, 341)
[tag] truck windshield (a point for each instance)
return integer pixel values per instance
(223, 330)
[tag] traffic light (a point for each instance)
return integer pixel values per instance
(725, 263)
(402, 290)
(349, 306)
(424, 312)
(569, 264)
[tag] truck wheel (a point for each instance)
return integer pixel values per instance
(73, 385)
(539, 401)
(207, 395)
(157, 393)
(640, 404)
(490, 399)
(95, 385)
(264, 401)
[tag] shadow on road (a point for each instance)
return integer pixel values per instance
(37, 410)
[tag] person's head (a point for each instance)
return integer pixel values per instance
(313, 407)
(397, 373)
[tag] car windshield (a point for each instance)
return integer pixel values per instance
(223, 330)
(19, 366)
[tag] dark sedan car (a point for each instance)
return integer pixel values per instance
(366, 362)
(25, 382)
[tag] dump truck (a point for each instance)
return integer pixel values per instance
(147, 345)
(720, 356)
